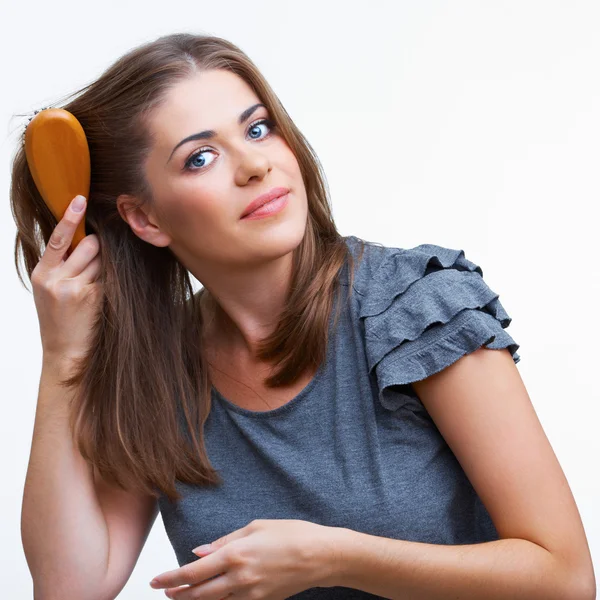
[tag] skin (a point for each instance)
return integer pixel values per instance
(244, 264)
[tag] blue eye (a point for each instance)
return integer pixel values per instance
(188, 166)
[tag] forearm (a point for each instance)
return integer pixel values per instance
(63, 528)
(497, 570)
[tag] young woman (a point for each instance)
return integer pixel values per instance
(336, 418)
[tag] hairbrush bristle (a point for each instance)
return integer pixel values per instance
(30, 118)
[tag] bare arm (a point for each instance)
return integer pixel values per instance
(72, 522)
(63, 529)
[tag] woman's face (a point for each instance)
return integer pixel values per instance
(201, 187)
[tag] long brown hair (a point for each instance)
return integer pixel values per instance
(146, 368)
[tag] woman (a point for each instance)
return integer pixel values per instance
(336, 418)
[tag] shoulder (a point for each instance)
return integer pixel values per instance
(387, 270)
(422, 308)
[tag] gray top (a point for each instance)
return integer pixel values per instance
(356, 448)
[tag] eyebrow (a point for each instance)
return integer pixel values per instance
(211, 133)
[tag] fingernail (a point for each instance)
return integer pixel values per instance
(204, 548)
(78, 203)
(154, 582)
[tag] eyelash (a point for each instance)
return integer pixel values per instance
(188, 162)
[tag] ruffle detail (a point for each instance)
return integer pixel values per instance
(424, 308)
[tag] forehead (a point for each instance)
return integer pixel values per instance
(207, 100)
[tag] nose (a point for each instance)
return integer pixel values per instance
(252, 162)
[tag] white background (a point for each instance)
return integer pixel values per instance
(469, 124)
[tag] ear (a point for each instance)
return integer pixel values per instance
(142, 221)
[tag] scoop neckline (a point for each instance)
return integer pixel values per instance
(261, 414)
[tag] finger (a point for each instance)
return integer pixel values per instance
(216, 589)
(87, 250)
(92, 272)
(61, 237)
(194, 572)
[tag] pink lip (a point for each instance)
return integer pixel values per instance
(268, 209)
(263, 199)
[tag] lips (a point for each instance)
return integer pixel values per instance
(276, 192)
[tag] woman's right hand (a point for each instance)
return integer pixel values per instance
(67, 294)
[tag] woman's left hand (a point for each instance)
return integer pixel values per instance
(270, 559)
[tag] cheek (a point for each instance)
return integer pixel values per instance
(288, 158)
(293, 169)
(194, 211)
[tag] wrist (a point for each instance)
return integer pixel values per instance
(340, 539)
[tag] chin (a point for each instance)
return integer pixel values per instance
(276, 239)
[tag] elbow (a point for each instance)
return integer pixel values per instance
(589, 589)
(582, 585)
(570, 580)
(574, 575)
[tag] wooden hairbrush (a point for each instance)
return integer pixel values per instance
(58, 156)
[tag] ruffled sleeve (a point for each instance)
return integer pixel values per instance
(422, 309)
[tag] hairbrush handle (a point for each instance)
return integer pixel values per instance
(58, 156)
